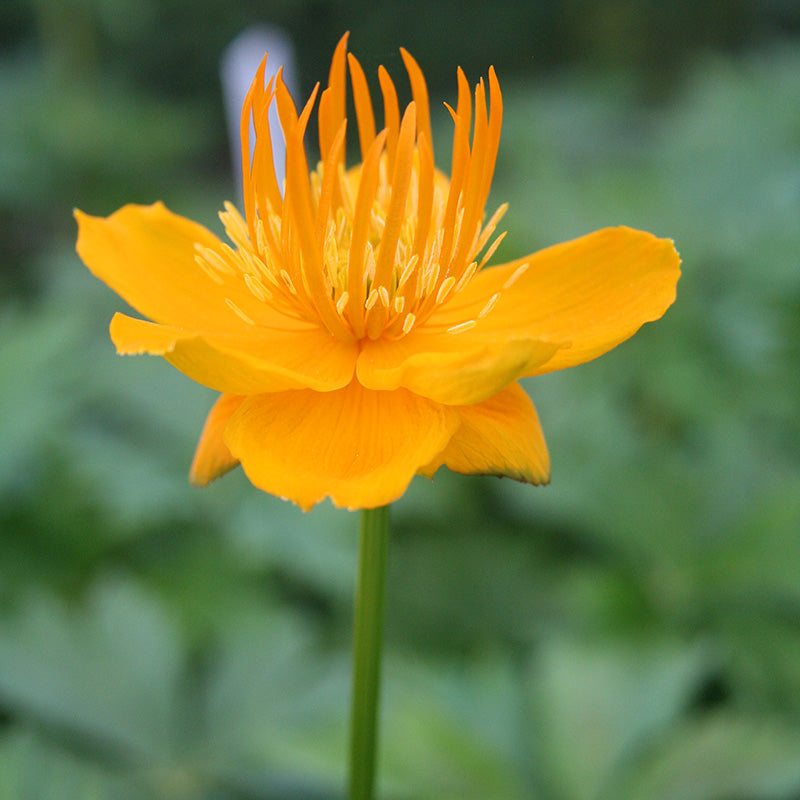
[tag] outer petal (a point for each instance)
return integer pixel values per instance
(590, 294)
(501, 436)
(358, 447)
(268, 360)
(212, 457)
(459, 368)
(146, 255)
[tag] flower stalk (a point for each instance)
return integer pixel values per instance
(367, 647)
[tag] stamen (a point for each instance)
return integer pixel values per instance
(466, 277)
(447, 285)
(342, 224)
(369, 264)
(407, 270)
(235, 227)
(488, 229)
(238, 311)
(232, 256)
(330, 251)
(275, 225)
(287, 279)
(431, 278)
(257, 288)
(516, 275)
(489, 306)
(458, 224)
(371, 300)
(214, 259)
(490, 252)
(341, 303)
(377, 220)
(399, 303)
(261, 237)
(208, 269)
(436, 250)
(383, 293)
(261, 269)
(408, 323)
(463, 326)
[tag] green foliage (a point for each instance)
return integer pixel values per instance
(631, 632)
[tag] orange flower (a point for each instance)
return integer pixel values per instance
(350, 325)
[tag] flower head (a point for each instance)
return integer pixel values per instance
(350, 324)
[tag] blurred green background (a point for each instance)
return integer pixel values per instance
(631, 632)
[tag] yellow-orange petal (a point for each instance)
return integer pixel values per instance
(590, 294)
(357, 447)
(462, 367)
(146, 254)
(268, 360)
(500, 436)
(212, 457)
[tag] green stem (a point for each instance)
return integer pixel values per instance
(373, 554)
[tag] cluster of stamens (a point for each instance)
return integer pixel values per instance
(373, 250)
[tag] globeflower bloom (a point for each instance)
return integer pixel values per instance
(351, 324)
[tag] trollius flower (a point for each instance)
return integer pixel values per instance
(351, 323)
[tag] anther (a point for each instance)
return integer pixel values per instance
(463, 326)
(466, 277)
(214, 259)
(235, 227)
(257, 288)
(516, 275)
(208, 269)
(407, 270)
(489, 306)
(287, 279)
(490, 252)
(261, 238)
(371, 300)
(447, 284)
(369, 263)
(238, 311)
(431, 278)
(377, 220)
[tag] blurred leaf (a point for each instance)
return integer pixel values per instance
(30, 768)
(72, 143)
(723, 756)
(594, 708)
(105, 679)
(454, 732)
